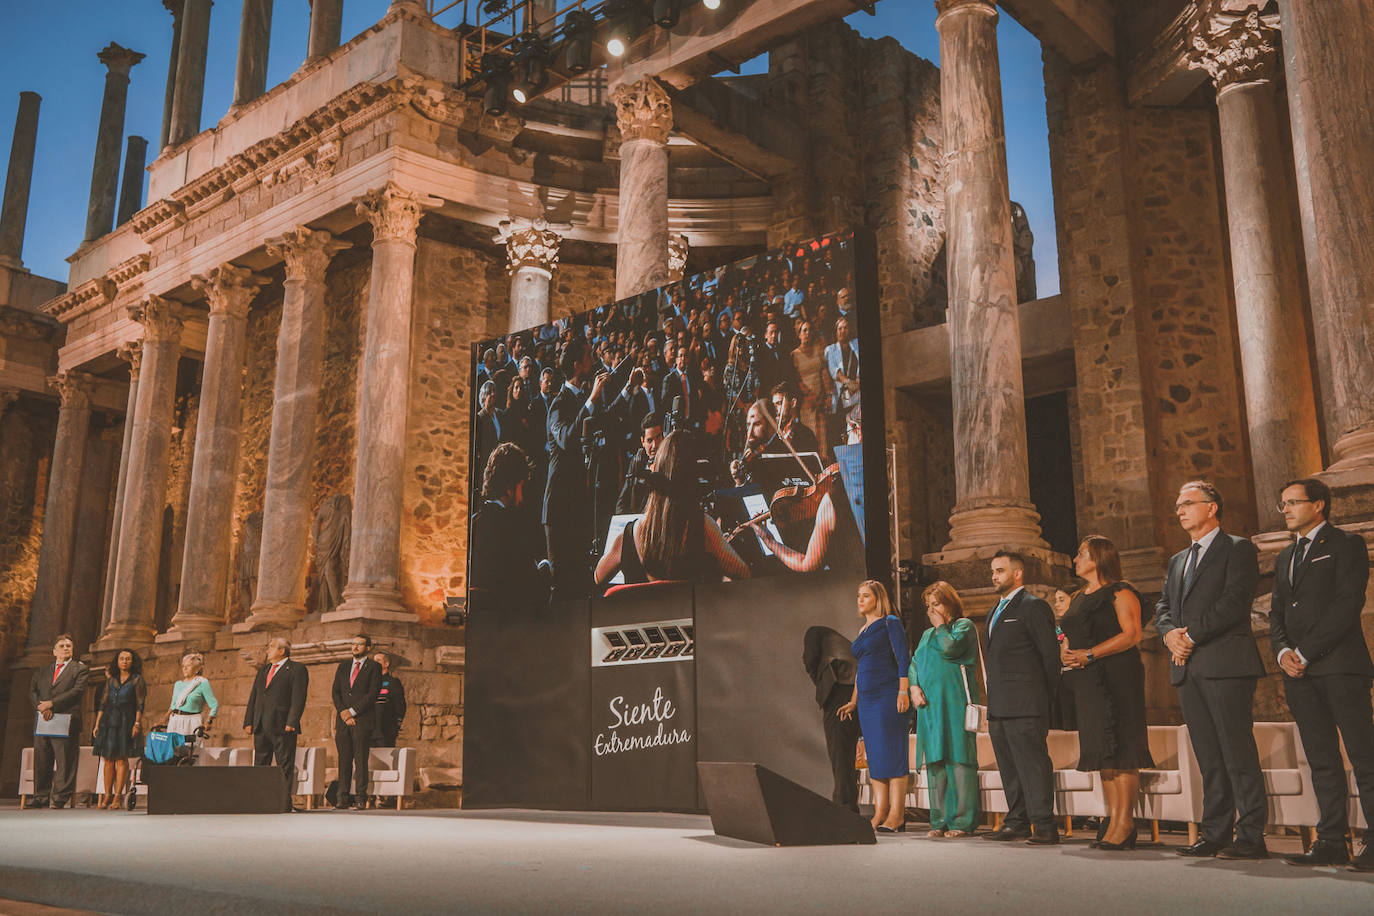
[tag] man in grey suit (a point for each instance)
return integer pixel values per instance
(1203, 616)
(56, 690)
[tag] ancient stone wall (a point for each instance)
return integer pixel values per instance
(27, 430)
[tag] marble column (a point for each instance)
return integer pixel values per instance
(374, 558)
(326, 26)
(531, 257)
(190, 78)
(1331, 94)
(255, 35)
(133, 604)
(645, 117)
(991, 475)
(210, 507)
(49, 606)
(286, 511)
(131, 188)
(14, 212)
(678, 250)
(1242, 60)
(130, 353)
(100, 210)
(174, 7)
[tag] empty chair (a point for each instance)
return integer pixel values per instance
(310, 763)
(1076, 793)
(1287, 779)
(391, 772)
(1172, 789)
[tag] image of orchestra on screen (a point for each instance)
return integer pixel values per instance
(708, 430)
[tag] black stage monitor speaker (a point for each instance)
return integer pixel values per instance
(215, 790)
(749, 802)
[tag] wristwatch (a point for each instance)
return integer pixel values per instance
(1091, 657)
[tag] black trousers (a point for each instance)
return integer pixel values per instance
(1219, 713)
(47, 784)
(569, 543)
(842, 744)
(281, 748)
(1021, 745)
(352, 743)
(1331, 709)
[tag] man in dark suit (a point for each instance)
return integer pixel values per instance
(829, 661)
(357, 681)
(1203, 616)
(508, 570)
(791, 430)
(774, 360)
(56, 690)
(681, 394)
(567, 512)
(634, 493)
(1022, 675)
(1315, 631)
(273, 714)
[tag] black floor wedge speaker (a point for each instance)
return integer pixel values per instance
(749, 802)
(215, 790)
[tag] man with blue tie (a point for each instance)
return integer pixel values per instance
(1022, 672)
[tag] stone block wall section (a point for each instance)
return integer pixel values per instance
(26, 442)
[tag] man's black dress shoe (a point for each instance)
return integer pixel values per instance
(1323, 852)
(1044, 839)
(1004, 835)
(1244, 850)
(1365, 860)
(1202, 849)
(37, 804)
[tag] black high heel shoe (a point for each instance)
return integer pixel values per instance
(1102, 825)
(1128, 843)
(883, 828)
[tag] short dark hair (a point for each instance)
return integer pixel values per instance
(1315, 490)
(506, 469)
(572, 354)
(365, 638)
(1207, 489)
(785, 388)
(1015, 558)
(650, 420)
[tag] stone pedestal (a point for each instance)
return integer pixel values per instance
(210, 509)
(49, 606)
(286, 517)
(645, 117)
(374, 560)
(134, 603)
(100, 211)
(531, 257)
(189, 93)
(131, 353)
(14, 212)
(255, 35)
(326, 25)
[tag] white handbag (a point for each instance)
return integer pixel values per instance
(975, 716)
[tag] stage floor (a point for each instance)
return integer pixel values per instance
(526, 861)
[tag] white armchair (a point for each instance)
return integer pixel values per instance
(310, 782)
(1287, 777)
(1172, 789)
(85, 774)
(391, 772)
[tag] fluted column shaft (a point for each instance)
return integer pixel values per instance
(531, 257)
(134, 603)
(131, 353)
(100, 211)
(53, 585)
(374, 559)
(14, 212)
(326, 26)
(255, 36)
(189, 94)
(991, 473)
(210, 508)
(280, 600)
(645, 117)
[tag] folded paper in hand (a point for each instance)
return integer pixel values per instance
(59, 726)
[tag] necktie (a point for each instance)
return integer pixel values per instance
(354, 676)
(271, 673)
(1191, 569)
(57, 671)
(1299, 555)
(1001, 606)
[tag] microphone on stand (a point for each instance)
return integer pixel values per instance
(675, 414)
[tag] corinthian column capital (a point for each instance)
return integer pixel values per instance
(162, 319)
(678, 249)
(307, 252)
(132, 353)
(643, 110)
(118, 59)
(73, 387)
(533, 244)
(1242, 50)
(394, 212)
(230, 289)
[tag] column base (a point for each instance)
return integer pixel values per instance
(994, 524)
(366, 602)
(270, 617)
(969, 570)
(119, 635)
(200, 631)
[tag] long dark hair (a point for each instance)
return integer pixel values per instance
(672, 523)
(112, 669)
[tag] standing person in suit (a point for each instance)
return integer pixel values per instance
(567, 497)
(1203, 616)
(680, 393)
(1022, 675)
(1314, 629)
(508, 571)
(829, 660)
(273, 714)
(357, 681)
(56, 690)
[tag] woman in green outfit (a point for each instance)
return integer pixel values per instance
(940, 668)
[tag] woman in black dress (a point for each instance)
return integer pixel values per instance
(1102, 632)
(118, 722)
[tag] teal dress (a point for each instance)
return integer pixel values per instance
(942, 661)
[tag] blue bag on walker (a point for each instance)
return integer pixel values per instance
(161, 747)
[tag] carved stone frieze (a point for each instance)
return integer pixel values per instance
(678, 249)
(312, 167)
(1243, 50)
(643, 111)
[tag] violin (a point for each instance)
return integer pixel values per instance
(794, 509)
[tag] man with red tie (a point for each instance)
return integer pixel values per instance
(356, 684)
(56, 690)
(273, 716)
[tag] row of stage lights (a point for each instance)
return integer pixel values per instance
(522, 72)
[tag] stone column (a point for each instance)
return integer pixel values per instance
(88, 547)
(678, 250)
(1331, 91)
(645, 116)
(134, 602)
(280, 601)
(374, 559)
(1281, 409)
(14, 213)
(174, 7)
(992, 481)
(531, 256)
(190, 76)
(255, 34)
(49, 606)
(130, 353)
(131, 189)
(326, 26)
(7, 397)
(105, 171)
(210, 507)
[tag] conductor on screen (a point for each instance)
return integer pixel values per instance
(508, 570)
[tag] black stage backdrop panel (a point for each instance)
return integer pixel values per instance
(644, 714)
(526, 723)
(755, 701)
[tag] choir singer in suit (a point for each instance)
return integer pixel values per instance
(1315, 632)
(57, 690)
(1203, 616)
(357, 682)
(273, 715)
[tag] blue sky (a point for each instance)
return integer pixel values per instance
(54, 55)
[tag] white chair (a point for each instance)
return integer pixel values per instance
(214, 757)
(310, 782)
(1356, 813)
(1076, 794)
(25, 776)
(1172, 789)
(391, 772)
(991, 798)
(85, 775)
(240, 756)
(1287, 778)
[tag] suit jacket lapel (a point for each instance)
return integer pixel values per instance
(1220, 544)
(1312, 552)
(1005, 611)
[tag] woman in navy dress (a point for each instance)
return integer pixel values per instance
(118, 722)
(880, 696)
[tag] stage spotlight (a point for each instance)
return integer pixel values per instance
(579, 27)
(666, 13)
(711, 4)
(531, 69)
(498, 91)
(621, 26)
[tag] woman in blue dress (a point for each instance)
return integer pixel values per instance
(118, 722)
(880, 696)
